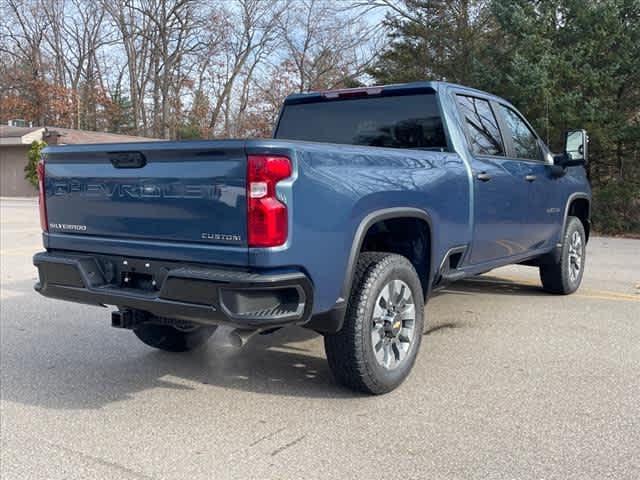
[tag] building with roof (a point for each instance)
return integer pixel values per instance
(15, 142)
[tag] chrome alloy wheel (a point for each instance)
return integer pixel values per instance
(575, 257)
(393, 324)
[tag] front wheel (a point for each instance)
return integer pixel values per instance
(379, 341)
(564, 277)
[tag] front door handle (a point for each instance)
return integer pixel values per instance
(530, 178)
(483, 177)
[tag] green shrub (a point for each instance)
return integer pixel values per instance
(616, 207)
(34, 156)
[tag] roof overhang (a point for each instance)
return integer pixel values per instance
(25, 139)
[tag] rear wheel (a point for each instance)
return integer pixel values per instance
(564, 277)
(379, 341)
(173, 339)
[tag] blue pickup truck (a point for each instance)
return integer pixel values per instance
(364, 203)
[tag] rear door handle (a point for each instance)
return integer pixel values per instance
(530, 178)
(483, 177)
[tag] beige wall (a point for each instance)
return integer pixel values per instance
(12, 162)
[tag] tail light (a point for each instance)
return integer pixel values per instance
(267, 218)
(40, 169)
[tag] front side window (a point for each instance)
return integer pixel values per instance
(525, 143)
(482, 126)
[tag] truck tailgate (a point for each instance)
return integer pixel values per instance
(187, 192)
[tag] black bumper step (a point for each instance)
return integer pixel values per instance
(199, 294)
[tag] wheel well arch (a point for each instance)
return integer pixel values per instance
(405, 231)
(579, 206)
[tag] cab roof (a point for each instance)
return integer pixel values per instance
(382, 90)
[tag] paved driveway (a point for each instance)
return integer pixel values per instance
(511, 383)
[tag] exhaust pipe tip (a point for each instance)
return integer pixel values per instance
(235, 340)
(239, 337)
(234, 337)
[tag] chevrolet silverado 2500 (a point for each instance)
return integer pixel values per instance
(362, 204)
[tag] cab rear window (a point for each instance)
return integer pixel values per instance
(407, 121)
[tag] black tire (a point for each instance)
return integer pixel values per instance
(561, 277)
(350, 352)
(170, 339)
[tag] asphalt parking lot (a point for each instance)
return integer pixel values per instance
(511, 383)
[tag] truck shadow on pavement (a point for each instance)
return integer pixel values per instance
(486, 284)
(63, 356)
(99, 366)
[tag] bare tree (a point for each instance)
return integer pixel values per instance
(23, 30)
(249, 34)
(134, 32)
(173, 25)
(270, 40)
(328, 44)
(75, 37)
(174, 68)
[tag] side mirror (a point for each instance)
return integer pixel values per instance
(575, 149)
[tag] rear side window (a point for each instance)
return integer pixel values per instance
(525, 143)
(407, 121)
(482, 126)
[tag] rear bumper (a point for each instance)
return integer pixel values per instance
(173, 290)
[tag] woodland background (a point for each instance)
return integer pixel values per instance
(185, 69)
